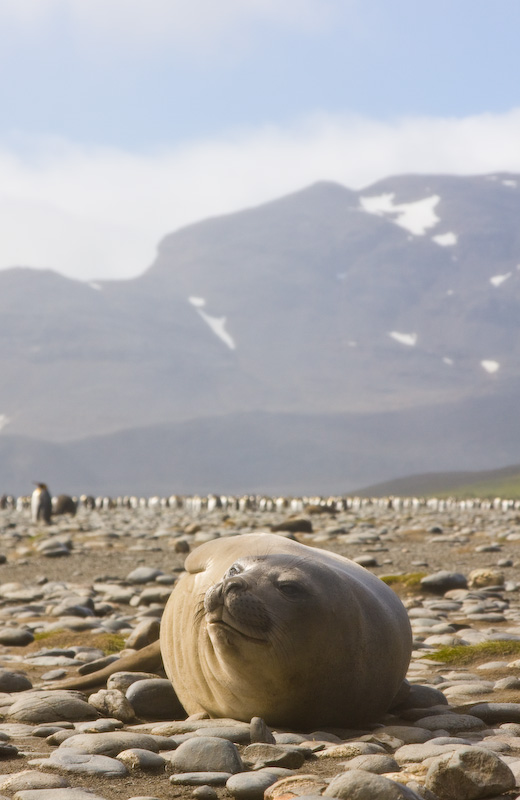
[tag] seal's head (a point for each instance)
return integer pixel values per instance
(234, 610)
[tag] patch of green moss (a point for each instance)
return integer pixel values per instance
(410, 580)
(473, 653)
(109, 643)
(41, 636)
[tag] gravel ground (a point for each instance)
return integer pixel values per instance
(104, 547)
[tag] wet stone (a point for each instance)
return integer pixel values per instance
(443, 581)
(238, 735)
(251, 785)
(113, 703)
(452, 723)
(50, 706)
(14, 681)
(8, 751)
(205, 793)
(207, 753)
(259, 732)
(15, 637)
(272, 755)
(143, 634)
(200, 779)
(356, 784)
(32, 779)
(136, 758)
(122, 680)
(58, 794)
(416, 753)
(54, 675)
(493, 713)
(99, 663)
(143, 575)
(376, 763)
(351, 749)
(111, 743)
(296, 786)
(55, 739)
(154, 698)
(43, 731)
(77, 762)
(105, 725)
(469, 773)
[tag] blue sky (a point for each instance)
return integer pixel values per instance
(126, 119)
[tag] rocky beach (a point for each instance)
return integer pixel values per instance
(90, 588)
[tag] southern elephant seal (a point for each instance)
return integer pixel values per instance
(260, 625)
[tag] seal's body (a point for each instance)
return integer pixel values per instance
(261, 625)
(41, 504)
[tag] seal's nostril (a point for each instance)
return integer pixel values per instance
(235, 583)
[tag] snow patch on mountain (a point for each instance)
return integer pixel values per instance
(4, 420)
(415, 217)
(96, 286)
(497, 280)
(409, 339)
(216, 324)
(445, 239)
(198, 302)
(490, 366)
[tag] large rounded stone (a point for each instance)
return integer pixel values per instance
(359, 785)
(110, 744)
(51, 706)
(112, 703)
(84, 764)
(444, 581)
(468, 774)
(32, 779)
(251, 785)
(13, 681)
(154, 698)
(202, 754)
(15, 637)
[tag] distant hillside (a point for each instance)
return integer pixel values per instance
(503, 482)
(265, 452)
(379, 316)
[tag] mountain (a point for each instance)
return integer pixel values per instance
(328, 304)
(503, 483)
(272, 453)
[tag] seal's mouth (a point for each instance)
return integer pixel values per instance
(225, 627)
(215, 622)
(232, 604)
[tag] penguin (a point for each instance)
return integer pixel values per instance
(41, 504)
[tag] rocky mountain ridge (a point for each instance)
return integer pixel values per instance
(327, 303)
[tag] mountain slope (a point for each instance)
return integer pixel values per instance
(394, 305)
(267, 452)
(503, 483)
(326, 301)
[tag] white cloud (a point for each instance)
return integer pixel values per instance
(134, 23)
(99, 213)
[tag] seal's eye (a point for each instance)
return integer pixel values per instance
(291, 589)
(234, 569)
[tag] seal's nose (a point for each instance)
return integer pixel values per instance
(235, 583)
